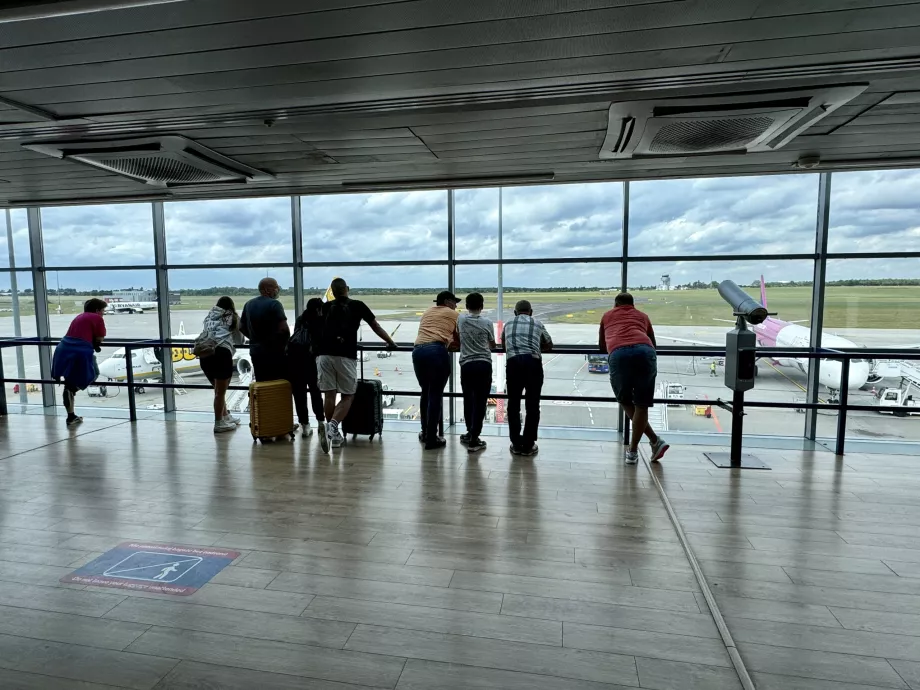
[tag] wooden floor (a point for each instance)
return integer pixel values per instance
(382, 566)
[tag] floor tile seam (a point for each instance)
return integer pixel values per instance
(731, 648)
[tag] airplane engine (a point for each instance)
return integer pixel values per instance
(244, 366)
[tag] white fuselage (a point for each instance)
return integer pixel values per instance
(130, 307)
(829, 374)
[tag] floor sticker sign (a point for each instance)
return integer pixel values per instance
(146, 567)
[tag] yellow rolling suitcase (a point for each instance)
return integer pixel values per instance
(271, 410)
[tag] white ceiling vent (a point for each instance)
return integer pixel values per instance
(762, 121)
(162, 161)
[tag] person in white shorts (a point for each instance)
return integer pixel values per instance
(337, 360)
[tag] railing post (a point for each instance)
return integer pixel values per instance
(129, 368)
(842, 409)
(3, 410)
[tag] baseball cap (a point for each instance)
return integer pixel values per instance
(445, 295)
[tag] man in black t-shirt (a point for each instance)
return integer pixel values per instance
(337, 361)
(265, 324)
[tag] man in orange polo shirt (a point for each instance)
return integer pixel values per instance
(627, 336)
(437, 332)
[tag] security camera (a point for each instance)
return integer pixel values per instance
(742, 304)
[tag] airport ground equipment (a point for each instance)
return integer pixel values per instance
(740, 371)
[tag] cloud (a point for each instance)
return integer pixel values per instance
(769, 216)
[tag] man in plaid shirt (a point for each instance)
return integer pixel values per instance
(524, 339)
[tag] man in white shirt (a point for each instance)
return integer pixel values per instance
(524, 339)
(477, 338)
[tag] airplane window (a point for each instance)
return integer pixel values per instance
(118, 355)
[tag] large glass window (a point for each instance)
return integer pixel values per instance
(15, 242)
(875, 211)
(388, 226)
(229, 231)
(770, 215)
(575, 220)
(103, 235)
(476, 223)
(17, 320)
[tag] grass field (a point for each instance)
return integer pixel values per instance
(845, 307)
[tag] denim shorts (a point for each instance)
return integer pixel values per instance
(633, 369)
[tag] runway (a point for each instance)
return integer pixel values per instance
(564, 375)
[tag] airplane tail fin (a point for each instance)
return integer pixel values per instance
(763, 291)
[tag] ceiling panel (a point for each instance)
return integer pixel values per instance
(337, 91)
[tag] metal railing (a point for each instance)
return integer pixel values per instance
(842, 407)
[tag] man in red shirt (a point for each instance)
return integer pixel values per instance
(627, 336)
(74, 360)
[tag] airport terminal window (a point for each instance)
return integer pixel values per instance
(569, 220)
(476, 223)
(875, 211)
(18, 234)
(103, 235)
(229, 231)
(192, 294)
(131, 294)
(769, 215)
(17, 319)
(873, 301)
(387, 226)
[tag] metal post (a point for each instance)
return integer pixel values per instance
(737, 428)
(17, 320)
(3, 410)
(40, 293)
(162, 278)
(817, 301)
(842, 410)
(297, 244)
(451, 285)
(129, 369)
(622, 420)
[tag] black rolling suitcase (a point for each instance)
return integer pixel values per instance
(366, 414)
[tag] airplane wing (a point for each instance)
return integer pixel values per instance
(688, 341)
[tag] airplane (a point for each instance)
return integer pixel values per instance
(147, 366)
(788, 334)
(119, 307)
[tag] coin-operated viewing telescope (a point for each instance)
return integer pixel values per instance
(741, 342)
(740, 369)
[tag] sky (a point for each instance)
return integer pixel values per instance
(769, 216)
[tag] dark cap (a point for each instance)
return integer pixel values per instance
(445, 295)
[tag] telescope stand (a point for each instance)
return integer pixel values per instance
(739, 342)
(735, 459)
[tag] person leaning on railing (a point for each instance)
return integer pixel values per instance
(74, 357)
(437, 332)
(524, 339)
(627, 336)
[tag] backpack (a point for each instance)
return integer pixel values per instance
(205, 345)
(337, 325)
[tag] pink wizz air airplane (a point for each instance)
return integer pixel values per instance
(787, 334)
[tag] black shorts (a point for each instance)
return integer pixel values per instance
(219, 366)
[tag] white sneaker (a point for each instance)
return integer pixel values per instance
(632, 457)
(223, 426)
(336, 439)
(306, 431)
(659, 449)
(235, 421)
(323, 430)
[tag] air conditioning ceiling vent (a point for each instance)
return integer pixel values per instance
(717, 124)
(163, 161)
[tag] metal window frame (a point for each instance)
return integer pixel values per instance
(818, 288)
(297, 254)
(40, 297)
(451, 285)
(163, 316)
